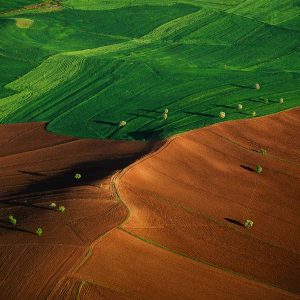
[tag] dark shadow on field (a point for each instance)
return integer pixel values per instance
(255, 150)
(106, 122)
(147, 134)
(224, 106)
(25, 203)
(256, 100)
(151, 110)
(234, 222)
(16, 229)
(260, 151)
(247, 168)
(91, 171)
(243, 86)
(115, 131)
(143, 115)
(199, 114)
(31, 173)
(7, 226)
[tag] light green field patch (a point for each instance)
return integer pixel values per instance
(23, 23)
(107, 5)
(273, 12)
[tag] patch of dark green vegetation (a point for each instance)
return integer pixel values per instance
(92, 69)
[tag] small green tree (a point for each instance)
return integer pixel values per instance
(240, 106)
(122, 123)
(248, 223)
(222, 114)
(53, 205)
(266, 101)
(257, 86)
(258, 169)
(281, 100)
(253, 114)
(12, 220)
(39, 231)
(263, 151)
(61, 208)
(166, 111)
(165, 116)
(77, 176)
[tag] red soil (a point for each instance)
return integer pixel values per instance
(70, 288)
(180, 236)
(180, 196)
(124, 265)
(38, 168)
(92, 291)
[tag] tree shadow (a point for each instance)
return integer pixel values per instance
(256, 100)
(234, 222)
(25, 204)
(151, 110)
(243, 86)
(16, 229)
(247, 168)
(224, 106)
(143, 115)
(256, 150)
(31, 173)
(5, 225)
(199, 114)
(106, 123)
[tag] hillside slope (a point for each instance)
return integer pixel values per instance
(192, 196)
(91, 65)
(37, 169)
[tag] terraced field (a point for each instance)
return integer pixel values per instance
(84, 66)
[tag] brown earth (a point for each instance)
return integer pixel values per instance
(192, 196)
(128, 267)
(180, 235)
(38, 168)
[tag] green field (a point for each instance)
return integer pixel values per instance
(92, 63)
(15, 4)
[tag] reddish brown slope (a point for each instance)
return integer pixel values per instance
(190, 195)
(176, 243)
(38, 168)
(124, 267)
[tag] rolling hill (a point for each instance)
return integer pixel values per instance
(84, 66)
(111, 188)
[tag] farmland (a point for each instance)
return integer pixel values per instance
(90, 65)
(192, 196)
(134, 222)
(149, 149)
(37, 169)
